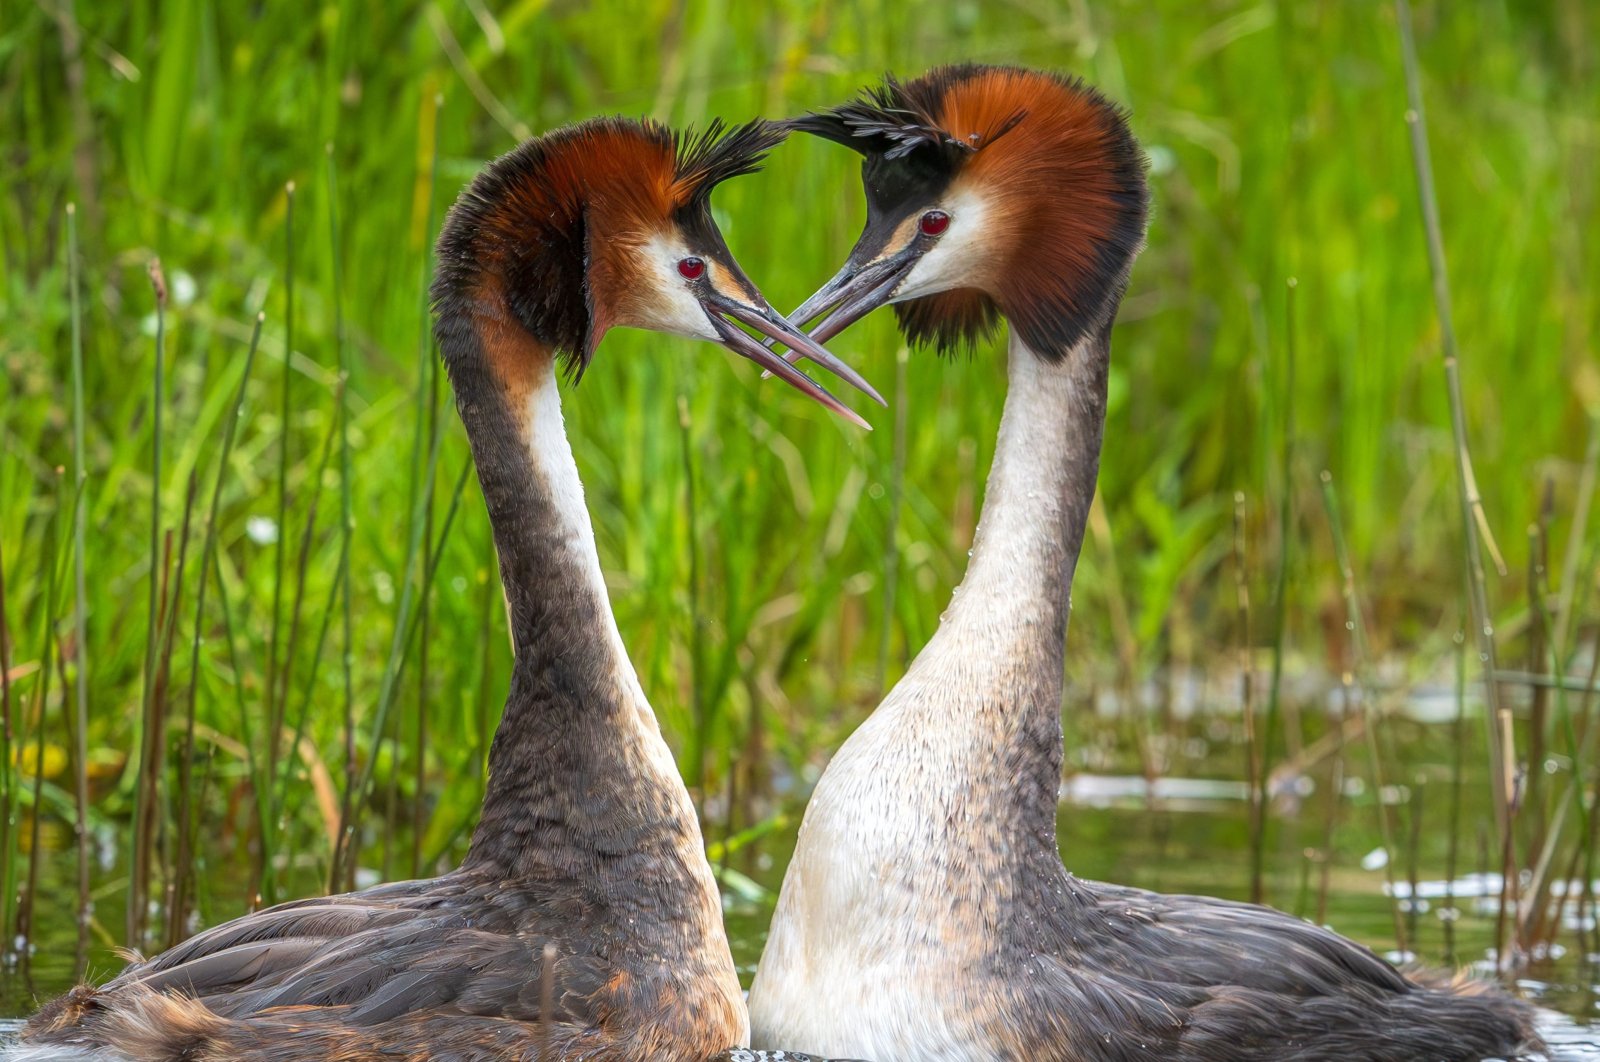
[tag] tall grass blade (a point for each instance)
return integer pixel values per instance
(1536, 921)
(424, 699)
(8, 766)
(337, 875)
(341, 873)
(183, 869)
(1335, 797)
(1356, 625)
(278, 783)
(80, 611)
(1502, 740)
(139, 882)
(1575, 540)
(41, 705)
(1254, 776)
(1587, 911)
(1537, 646)
(404, 637)
(433, 374)
(159, 712)
(236, 668)
(1280, 584)
(1458, 758)
(274, 698)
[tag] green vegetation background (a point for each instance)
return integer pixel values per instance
(771, 567)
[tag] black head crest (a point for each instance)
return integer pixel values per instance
(892, 120)
(1068, 197)
(718, 153)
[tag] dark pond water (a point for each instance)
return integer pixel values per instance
(1191, 836)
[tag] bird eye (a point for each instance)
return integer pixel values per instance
(934, 222)
(692, 268)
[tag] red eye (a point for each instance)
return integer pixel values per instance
(934, 222)
(692, 268)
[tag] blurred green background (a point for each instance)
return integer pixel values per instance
(772, 568)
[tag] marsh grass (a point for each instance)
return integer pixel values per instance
(80, 606)
(772, 569)
(1357, 678)
(179, 883)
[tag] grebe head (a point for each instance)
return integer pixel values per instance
(990, 191)
(607, 224)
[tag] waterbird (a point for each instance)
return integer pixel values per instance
(927, 912)
(584, 921)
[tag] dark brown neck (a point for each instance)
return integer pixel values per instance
(580, 781)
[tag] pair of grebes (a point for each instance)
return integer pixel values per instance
(927, 913)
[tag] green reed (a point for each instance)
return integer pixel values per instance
(766, 618)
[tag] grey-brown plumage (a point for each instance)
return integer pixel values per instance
(451, 963)
(927, 912)
(1107, 972)
(588, 848)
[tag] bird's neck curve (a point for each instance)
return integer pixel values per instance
(989, 682)
(581, 782)
(1010, 612)
(1017, 586)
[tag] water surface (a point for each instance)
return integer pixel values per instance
(1185, 832)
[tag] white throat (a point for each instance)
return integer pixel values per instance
(551, 454)
(945, 796)
(1016, 550)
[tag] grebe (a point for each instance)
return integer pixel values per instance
(588, 849)
(927, 912)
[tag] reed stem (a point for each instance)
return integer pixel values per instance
(1502, 740)
(281, 545)
(1280, 585)
(1575, 539)
(420, 781)
(1457, 761)
(1252, 744)
(140, 880)
(1355, 624)
(80, 611)
(346, 524)
(279, 783)
(41, 702)
(179, 896)
(429, 560)
(8, 766)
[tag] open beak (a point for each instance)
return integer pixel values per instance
(855, 291)
(770, 324)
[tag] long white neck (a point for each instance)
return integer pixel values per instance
(935, 823)
(964, 754)
(1014, 600)
(989, 682)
